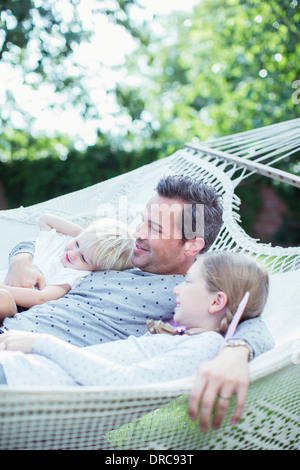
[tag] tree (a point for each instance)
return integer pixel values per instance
(40, 39)
(38, 169)
(228, 67)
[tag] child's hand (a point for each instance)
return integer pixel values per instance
(18, 341)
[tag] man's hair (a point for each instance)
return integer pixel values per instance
(194, 193)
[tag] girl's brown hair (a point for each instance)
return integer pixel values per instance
(234, 274)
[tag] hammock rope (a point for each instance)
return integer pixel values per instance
(155, 417)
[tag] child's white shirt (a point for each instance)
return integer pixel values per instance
(49, 249)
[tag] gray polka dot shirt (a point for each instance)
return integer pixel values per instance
(111, 305)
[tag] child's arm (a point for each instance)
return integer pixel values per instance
(96, 367)
(49, 221)
(27, 297)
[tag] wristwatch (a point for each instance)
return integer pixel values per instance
(233, 343)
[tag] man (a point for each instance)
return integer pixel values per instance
(182, 220)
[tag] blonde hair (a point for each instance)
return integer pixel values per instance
(234, 274)
(110, 243)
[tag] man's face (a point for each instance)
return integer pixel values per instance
(159, 247)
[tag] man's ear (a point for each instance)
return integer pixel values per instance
(194, 246)
(219, 302)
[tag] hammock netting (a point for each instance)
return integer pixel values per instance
(155, 416)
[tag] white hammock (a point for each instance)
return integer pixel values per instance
(155, 416)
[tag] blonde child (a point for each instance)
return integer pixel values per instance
(206, 303)
(65, 253)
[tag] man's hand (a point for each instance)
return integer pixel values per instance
(226, 375)
(22, 273)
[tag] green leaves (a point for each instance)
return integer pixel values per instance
(226, 68)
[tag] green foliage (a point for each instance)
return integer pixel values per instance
(18, 145)
(40, 39)
(56, 171)
(227, 67)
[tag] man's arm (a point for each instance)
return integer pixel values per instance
(23, 247)
(21, 272)
(256, 335)
(227, 374)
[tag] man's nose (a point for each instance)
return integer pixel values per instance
(141, 232)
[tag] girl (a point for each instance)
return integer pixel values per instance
(65, 253)
(206, 302)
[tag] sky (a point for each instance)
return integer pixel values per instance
(116, 43)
